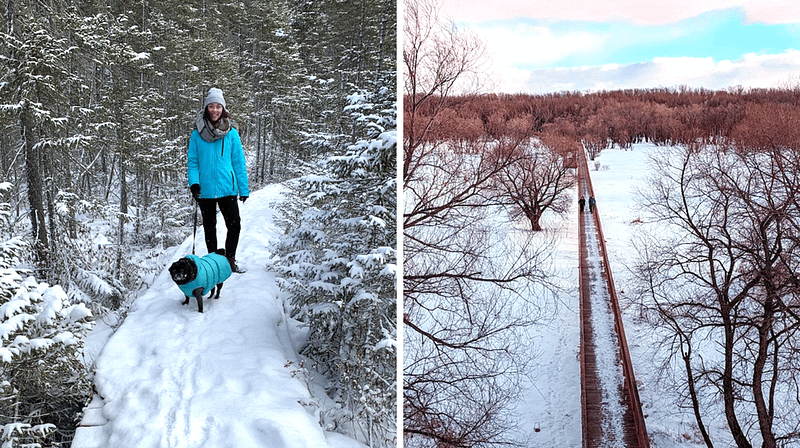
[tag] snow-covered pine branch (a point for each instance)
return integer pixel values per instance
(43, 384)
(339, 262)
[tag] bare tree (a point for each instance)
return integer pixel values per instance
(724, 268)
(468, 285)
(468, 291)
(439, 58)
(537, 181)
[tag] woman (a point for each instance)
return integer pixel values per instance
(217, 172)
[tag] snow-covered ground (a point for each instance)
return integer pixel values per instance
(551, 411)
(552, 407)
(171, 377)
(620, 173)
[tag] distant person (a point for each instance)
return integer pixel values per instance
(582, 203)
(591, 204)
(217, 173)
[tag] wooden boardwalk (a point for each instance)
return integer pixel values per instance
(612, 415)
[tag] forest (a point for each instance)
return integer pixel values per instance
(716, 278)
(746, 118)
(98, 101)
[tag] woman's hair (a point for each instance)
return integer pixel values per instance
(225, 114)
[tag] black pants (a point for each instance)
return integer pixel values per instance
(230, 213)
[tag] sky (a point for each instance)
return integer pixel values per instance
(576, 45)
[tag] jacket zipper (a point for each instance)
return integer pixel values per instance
(223, 147)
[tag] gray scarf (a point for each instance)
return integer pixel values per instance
(208, 131)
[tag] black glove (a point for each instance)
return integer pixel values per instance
(243, 198)
(195, 190)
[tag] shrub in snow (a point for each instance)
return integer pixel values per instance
(43, 383)
(24, 435)
(80, 257)
(339, 262)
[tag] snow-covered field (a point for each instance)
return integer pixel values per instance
(171, 377)
(620, 173)
(552, 406)
(551, 412)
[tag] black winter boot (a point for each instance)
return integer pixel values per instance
(235, 267)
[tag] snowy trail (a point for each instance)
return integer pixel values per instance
(612, 414)
(171, 377)
(606, 344)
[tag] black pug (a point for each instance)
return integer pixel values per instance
(196, 275)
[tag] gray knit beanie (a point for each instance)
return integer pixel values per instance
(214, 96)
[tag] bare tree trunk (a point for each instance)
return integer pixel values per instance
(259, 156)
(33, 173)
(35, 184)
(765, 328)
(45, 164)
(123, 209)
(729, 393)
(11, 16)
(534, 218)
(764, 417)
(698, 416)
(382, 37)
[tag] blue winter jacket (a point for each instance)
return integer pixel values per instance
(218, 166)
(212, 269)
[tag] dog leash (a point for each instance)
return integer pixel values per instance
(194, 231)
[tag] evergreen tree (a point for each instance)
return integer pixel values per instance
(279, 85)
(33, 86)
(339, 263)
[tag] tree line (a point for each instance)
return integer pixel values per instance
(561, 124)
(664, 116)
